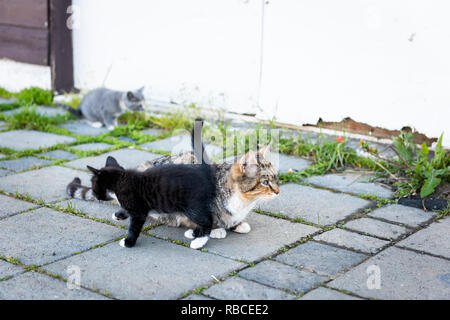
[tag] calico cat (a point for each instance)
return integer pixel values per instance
(240, 186)
(101, 106)
(187, 188)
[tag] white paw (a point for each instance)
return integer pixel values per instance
(218, 233)
(96, 124)
(122, 243)
(114, 217)
(110, 127)
(199, 242)
(189, 234)
(243, 227)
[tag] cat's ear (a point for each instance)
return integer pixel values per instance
(248, 164)
(112, 162)
(93, 170)
(265, 151)
(140, 90)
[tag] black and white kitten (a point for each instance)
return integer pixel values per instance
(187, 188)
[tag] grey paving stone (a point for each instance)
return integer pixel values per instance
(23, 163)
(350, 183)
(5, 100)
(376, 228)
(434, 239)
(2, 155)
(31, 139)
(42, 110)
(36, 286)
(8, 269)
(314, 205)
(83, 128)
(402, 214)
(196, 297)
(153, 131)
(267, 235)
(125, 139)
(321, 258)
(97, 209)
(45, 235)
(92, 146)
(178, 144)
(11, 205)
(281, 276)
(286, 163)
(404, 275)
(322, 293)
(35, 182)
(59, 154)
(128, 158)
(3, 124)
(352, 240)
(4, 172)
(236, 288)
(153, 269)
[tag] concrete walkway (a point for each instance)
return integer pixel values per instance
(318, 240)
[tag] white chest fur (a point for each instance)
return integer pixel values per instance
(239, 208)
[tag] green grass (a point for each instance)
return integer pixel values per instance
(28, 118)
(34, 96)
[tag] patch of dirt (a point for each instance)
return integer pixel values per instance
(350, 125)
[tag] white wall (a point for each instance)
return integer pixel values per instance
(383, 62)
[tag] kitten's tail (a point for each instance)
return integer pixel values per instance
(76, 112)
(77, 191)
(197, 143)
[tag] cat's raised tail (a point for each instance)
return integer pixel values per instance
(76, 112)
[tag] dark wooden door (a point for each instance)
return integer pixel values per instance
(35, 31)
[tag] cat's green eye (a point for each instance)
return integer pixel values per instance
(265, 182)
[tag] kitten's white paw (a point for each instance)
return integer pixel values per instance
(110, 127)
(218, 233)
(243, 227)
(189, 234)
(199, 242)
(122, 243)
(96, 124)
(114, 218)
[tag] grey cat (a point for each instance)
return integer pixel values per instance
(101, 106)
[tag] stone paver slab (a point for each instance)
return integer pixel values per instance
(92, 146)
(322, 293)
(281, 276)
(11, 205)
(350, 183)
(434, 239)
(45, 235)
(376, 228)
(8, 269)
(128, 158)
(31, 139)
(286, 163)
(32, 182)
(153, 131)
(196, 297)
(59, 154)
(404, 275)
(314, 205)
(4, 172)
(42, 110)
(267, 235)
(321, 258)
(36, 286)
(23, 163)
(236, 288)
(403, 214)
(352, 240)
(152, 269)
(97, 209)
(82, 128)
